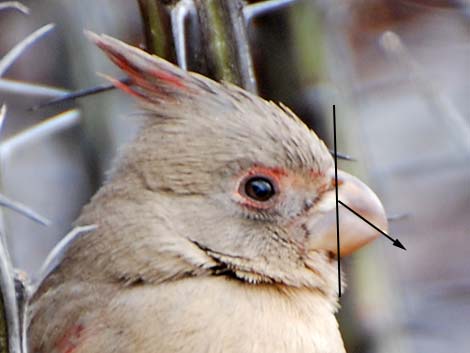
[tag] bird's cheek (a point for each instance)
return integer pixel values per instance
(321, 224)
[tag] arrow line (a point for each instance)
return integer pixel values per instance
(396, 242)
(337, 211)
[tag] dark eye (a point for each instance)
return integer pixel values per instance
(259, 189)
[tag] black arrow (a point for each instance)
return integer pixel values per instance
(395, 242)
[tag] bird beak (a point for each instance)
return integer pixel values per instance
(353, 231)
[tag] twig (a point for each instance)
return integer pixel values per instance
(10, 307)
(156, 20)
(225, 41)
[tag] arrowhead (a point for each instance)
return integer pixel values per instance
(398, 244)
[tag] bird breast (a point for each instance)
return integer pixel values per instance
(218, 314)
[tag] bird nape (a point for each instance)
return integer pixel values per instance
(216, 231)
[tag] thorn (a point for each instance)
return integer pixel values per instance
(343, 156)
(19, 48)
(3, 113)
(57, 253)
(398, 244)
(398, 216)
(14, 5)
(30, 89)
(23, 210)
(45, 128)
(80, 93)
(253, 10)
(179, 14)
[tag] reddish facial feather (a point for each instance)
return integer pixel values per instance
(70, 340)
(275, 173)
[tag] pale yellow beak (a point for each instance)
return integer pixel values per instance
(353, 231)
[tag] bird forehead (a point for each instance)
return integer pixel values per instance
(277, 141)
(294, 153)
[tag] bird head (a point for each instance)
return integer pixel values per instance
(233, 184)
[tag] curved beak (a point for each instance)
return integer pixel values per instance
(353, 231)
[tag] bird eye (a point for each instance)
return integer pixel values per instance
(259, 189)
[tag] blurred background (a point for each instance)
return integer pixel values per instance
(398, 72)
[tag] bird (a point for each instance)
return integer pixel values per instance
(215, 230)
